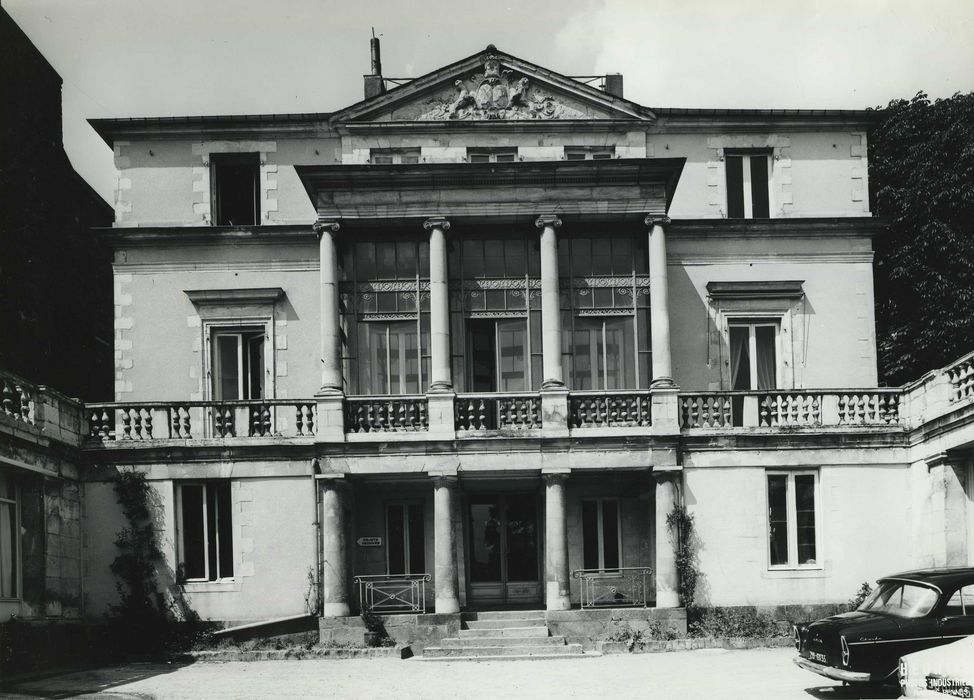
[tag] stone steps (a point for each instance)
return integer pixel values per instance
(503, 634)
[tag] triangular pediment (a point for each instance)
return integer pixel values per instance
(493, 86)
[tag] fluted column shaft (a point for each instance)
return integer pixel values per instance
(440, 375)
(331, 348)
(554, 376)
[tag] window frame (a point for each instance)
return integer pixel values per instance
(791, 511)
(403, 353)
(244, 336)
(589, 152)
(405, 504)
(492, 154)
(215, 161)
(219, 326)
(180, 534)
(600, 520)
(752, 322)
(18, 579)
(396, 156)
(746, 154)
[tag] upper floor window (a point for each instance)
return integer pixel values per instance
(394, 156)
(235, 183)
(492, 155)
(753, 355)
(589, 152)
(238, 364)
(748, 184)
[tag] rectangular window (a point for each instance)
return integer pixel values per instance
(394, 156)
(604, 354)
(753, 355)
(238, 364)
(389, 358)
(492, 155)
(601, 541)
(792, 519)
(748, 176)
(205, 530)
(589, 152)
(9, 539)
(235, 182)
(405, 535)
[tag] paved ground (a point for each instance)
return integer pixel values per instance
(710, 673)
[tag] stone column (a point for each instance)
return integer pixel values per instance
(331, 349)
(550, 304)
(658, 302)
(557, 583)
(334, 561)
(445, 545)
(440, 375)
(947, 516)
(667, 589)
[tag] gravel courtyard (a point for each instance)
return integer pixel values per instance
(711, 673)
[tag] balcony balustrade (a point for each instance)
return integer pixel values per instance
(800, 408)
(610, 409)
(386, 414)
(609, 588)
(961, 378)
(503, 412)
(394, 593)
(196, 420)
(17, 398)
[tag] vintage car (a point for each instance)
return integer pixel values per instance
(905, 613)
(934, 673)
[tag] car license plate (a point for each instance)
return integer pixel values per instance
(949, 686)
(815, 656)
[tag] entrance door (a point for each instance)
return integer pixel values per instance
(503, 546)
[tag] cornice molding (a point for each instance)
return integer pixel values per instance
(250, 295)
(792, 227)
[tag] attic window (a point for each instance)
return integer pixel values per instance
(236, 188)
(394, 156)
(589, 152)
(491, 155)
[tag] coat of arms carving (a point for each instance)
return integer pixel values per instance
(498, 94)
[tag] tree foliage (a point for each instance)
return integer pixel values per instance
(921, 172)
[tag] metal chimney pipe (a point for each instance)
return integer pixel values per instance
(376, 57)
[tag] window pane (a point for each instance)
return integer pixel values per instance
(622, 256)
(494, 258)
(192, 528)
(512, 346)
(767, 363)
(805, 514)
(211, 530)
(365, 261)
(620, 364)
(473, 258)
(224, 523)
(485, 541)
(8, 550)
(759, 186)
(385, 260)
(522, 538)
(397, 539)
(479, 158)
(590, 535)
(778, 518)
(514, 263)
(379, 378)
(417, 539)
(507, 157)
(255, 366)
(735, 186)
(610, 534)
(227, 382)
(406, 259)
(740, 351)
(236, 189)
(585, 354)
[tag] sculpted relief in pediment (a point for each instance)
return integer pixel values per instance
(497, 93)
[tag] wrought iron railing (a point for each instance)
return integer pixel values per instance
(393, 593)
(610, 409)
(628, 587)
(196, 420)
(481, 412)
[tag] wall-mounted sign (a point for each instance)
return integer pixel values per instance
(369, 541)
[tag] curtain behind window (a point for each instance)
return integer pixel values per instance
(766, 360)
(740, 358)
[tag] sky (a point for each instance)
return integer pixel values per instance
(125, 58)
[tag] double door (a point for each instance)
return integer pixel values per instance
(504, 549)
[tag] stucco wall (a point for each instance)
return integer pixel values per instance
(864, 534)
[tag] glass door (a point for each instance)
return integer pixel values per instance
(503, 550)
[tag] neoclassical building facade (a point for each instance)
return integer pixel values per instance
(468, 343)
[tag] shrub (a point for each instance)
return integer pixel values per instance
(864, 590)
(731, 622)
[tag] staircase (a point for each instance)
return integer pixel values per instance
(508, 634)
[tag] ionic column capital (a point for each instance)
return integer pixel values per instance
(437, 222)
(444, 480)
(551, 478)
(546, 221)
(654, 220)
(326, 226)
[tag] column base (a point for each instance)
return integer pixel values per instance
(335, 610)
(667, 599)
(555, 599)
(440, 388)
(446, 606)
(662, 383)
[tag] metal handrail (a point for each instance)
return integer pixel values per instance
(392, 593)
(601, 589)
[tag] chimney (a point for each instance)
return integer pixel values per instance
(374, 84)
(613, 84)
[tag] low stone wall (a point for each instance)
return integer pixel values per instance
(415, 631)
(586, 627)
(294, 654)
(660, 645)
